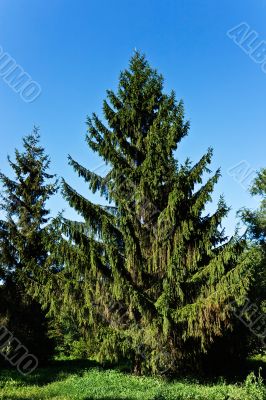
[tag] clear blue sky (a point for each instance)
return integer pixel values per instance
(76, 49)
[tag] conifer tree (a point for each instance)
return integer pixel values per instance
(256, 220)
(23, 237)
(151, 275)
(256, 223)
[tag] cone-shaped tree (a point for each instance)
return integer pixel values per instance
(23, 243)
(152, 274)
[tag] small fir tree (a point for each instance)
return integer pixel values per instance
(23, 242)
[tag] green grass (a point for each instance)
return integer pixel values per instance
(83, 381)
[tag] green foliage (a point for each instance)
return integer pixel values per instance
(95, 384)
(256, 232)
(151, 276)
(66, 334)
(256, 223)
(256, 220)
(23, 237)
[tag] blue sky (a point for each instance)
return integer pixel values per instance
(76, 49)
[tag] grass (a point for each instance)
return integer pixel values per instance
(75, 380)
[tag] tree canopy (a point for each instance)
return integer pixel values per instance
(23, 239)
(151, 276)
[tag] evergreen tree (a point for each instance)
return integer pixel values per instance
(256, 220)
(23, 237)
(256, 223)
(151, 275)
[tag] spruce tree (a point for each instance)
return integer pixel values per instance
(151, 275)
(23, 237)
(256, 233)
(256, 220)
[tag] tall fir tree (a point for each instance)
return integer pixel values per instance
(151, 275)
(23, 237)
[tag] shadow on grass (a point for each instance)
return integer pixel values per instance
(256, 365)
(61, 369)
(55, 371)
(236, 375)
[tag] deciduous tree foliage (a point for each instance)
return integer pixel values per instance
(151, 274)
(23, 237)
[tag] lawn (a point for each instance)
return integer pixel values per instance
(66, 380)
